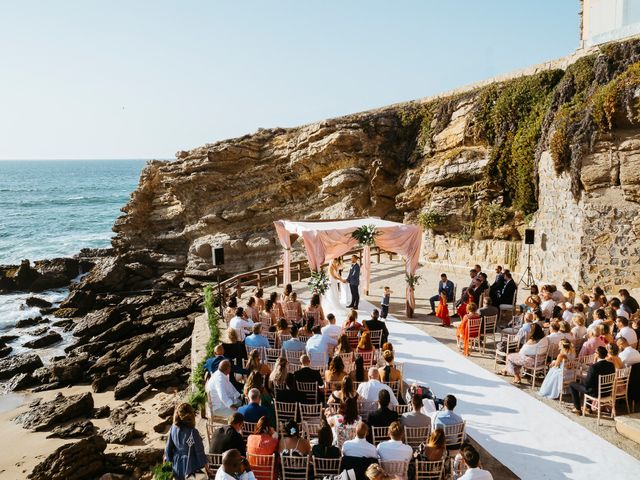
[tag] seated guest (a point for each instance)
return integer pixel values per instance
(282, 330)
(599, 317)
(498, 283)
(343, 345)
(234, 348)
(619, 311)
(259, 300)
(487, 310)
(239, 324)
(591, 383)
(292, 443)
(325, 448)
(251, 312)
(306, 330)
(376, 472)
(570, 293)
(343, 420)
(284, 296)
(256, 380)
(277, 306)
(447, 417)
(389, 372)
(229, 436)
(230, 309)
(369, 390)
(629, 303)
(288, 392)
(359, 372)
(595, 339)
(365, 344)
(184, 448)
(383, 416)
(558, 373)
(462, 332)
(548, 304)
(464, 297)
(332, 330)
(262, 441)
(256, 339)
(624, 330)
(255, 364)
(231, 468)
(279, 374)
(314, 309)
(307, 374)
(578, 331)
(629, 355)
(612, 356)
(224, 399)
(293, 305)
(346, 390)
(293, 344)
(478, 287)
(336, 371)
(351, 323)
(433, 448)
(535, 346)
(318, 347)
(554, 337)
(268, 313)
(471, 459)
(359, 446)
(508, 292)
(252, 411)
(394, 450)
(415, 417)
(212, 364)
(375, 324)
(444, 286)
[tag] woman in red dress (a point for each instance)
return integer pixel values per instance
(463, 328)
(263, 441)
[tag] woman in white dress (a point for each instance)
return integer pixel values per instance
(331, 299)
(552, 385)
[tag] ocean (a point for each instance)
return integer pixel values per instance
(53, 208)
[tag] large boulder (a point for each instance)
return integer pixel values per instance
(108, 275)
(25, 363)
(60, 409)
(79, 429)
(69, 370)
(121, 434)
(37, 302)
(30, 322)
(164, 376)
(97, 322)
(128, 387)
(73, 461)
(25, 276)
(44, 341)
(133, 462)
(79, 299)
(172, 307)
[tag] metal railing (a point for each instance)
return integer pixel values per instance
(272, 275)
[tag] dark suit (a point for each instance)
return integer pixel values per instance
(487, 312)
(383, 417)
(308, 375)
(478, 291)
(443, 287)
(375, 325)
(225, 438)
(590, 385)
(353, 279)
(507, 293)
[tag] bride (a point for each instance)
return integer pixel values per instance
(331, 299)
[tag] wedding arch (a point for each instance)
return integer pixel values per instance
(325, 240)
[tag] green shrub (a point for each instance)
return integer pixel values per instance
(162, 471)
(213, 316)
(197, 399)
(430, 219)
(495, 215)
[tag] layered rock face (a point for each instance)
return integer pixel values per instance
(483, 165)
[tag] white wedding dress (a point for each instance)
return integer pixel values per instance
(331, 300)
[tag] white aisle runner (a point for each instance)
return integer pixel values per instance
(532, 439)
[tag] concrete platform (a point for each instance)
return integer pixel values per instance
(629, 426)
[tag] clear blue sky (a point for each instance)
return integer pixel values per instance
(144, 79)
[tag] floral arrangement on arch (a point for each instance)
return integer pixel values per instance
(319, 282)
(365, 235)
(412, 280)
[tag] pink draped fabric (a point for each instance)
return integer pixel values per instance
(285, 240)
(366, 267)
(324, 242)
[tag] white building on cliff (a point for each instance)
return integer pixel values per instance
(608, 20)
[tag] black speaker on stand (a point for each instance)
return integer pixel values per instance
(527, 277)
(217, 259)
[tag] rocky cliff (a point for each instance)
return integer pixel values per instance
(478, 166)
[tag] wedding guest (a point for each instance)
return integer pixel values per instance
(629, 303)
(240, 325)
(347, 390)
(288, 391)
(612, 355)
(224, 399)
(230, 309)
(343, 420)
(535, 345)
(384, 303)
(462, 332)
(293, 344)
(383, 416)
(325, 448)
(570, 292)
(364, 344)
(231, 467)
(376, 472)
(277, 306)
(336, 371)
(258, 381)
(318, 347)
(229, 436)
(351, 323)
(624, 330)
(394, 450)
(444, 286)
(256, 339)
(591, 383)
(359, 373)
(343, 345)
(629, 355)
(359, 446)
(480, 287)
(314, 309)
(263, 440)
(579, 330)
(619, 311)
(259, 301)
(558, 372)
(307, 328)
(595, 339)
(184, 448)
(433, 448)
(388, 372)
(375, 324)
(292, 443)
(293, 305)
(251, 311)
(370, 389)
(279, 374)
(284, 296)
(331, 329)
(415, 418)
(268, 314)
(307, 374)
(256, 364)
(447, 417)
(283, 331)
(234, 348)
(471, 459)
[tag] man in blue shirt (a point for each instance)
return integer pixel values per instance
(293, 344)
(444, 285)
(445, 417)
(253, 411)
(256, 339)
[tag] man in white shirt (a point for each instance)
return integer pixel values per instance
(617, 306)
(332, 330)
(231, 462)
(472, 459)
(628, 354)
(624, 330)
(318, 347)
(224, 399)
(369, 390)
(394, 450)
(547, 305)
(359, 447)
(240, 325)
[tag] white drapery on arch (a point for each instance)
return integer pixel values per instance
(326, 240)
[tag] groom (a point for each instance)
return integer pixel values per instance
(353, 279)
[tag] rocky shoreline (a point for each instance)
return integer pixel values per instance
(129, 331)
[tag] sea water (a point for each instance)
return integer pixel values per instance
(53, 208)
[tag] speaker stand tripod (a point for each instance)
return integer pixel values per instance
(527, 276)
(220, 299)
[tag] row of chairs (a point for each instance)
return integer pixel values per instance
(478, 332)
(294, 467)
